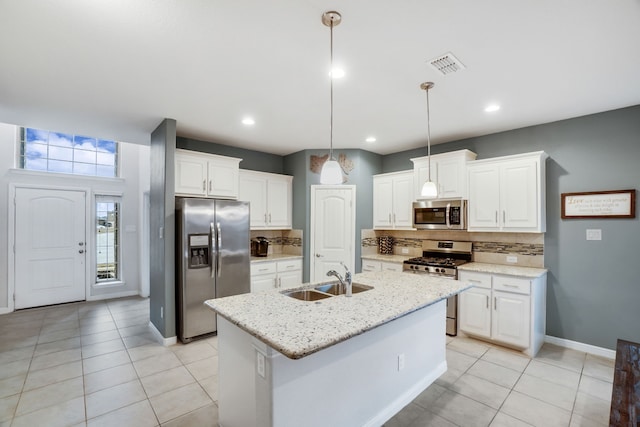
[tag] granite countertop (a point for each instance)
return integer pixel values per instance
(274, 257)
(399, 259)
(509, 270)
(299, 328)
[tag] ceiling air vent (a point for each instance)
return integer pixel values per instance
(446, 64)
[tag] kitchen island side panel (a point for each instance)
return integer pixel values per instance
(362, 381)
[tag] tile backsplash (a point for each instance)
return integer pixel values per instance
(522, 249)
(281, 241)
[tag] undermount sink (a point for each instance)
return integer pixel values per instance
(336, 288)
(307, 295)
(326, 290)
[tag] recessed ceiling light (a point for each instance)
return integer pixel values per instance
(248, 121)
(371, 139)
(492, 108)
(336, 73)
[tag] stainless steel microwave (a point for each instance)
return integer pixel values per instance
(440, 214)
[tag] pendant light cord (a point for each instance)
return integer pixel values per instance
(331, 98)
(428, 134)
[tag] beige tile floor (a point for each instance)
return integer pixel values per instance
(97, 364)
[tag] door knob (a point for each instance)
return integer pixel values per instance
(81, 251)
(80, 243)
(319, 256)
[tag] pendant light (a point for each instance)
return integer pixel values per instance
(331, 171)
(429, 188)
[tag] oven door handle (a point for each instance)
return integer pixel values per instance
(448, 215)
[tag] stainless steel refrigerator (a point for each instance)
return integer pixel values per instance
(212, 259)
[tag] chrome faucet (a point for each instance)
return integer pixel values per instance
(347, 279)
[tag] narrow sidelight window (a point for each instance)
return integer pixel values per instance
(107, 238)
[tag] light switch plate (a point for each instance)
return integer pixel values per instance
(512, 258)
(594, 234)
(405, 250)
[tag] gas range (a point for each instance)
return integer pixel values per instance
(440, 258)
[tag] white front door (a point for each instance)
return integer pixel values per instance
(50, 247)
(333, 226)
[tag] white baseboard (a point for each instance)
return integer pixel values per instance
(407, 397)
(575, 345)
(5, 310)
(113, 295)
(161, 339)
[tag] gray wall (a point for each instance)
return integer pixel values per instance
(593, 286)
(162, 228)
(252, 160)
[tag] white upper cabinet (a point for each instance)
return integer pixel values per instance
(448, 172)
(270, 197)
(508, 193)
(392, 200)
(206, 175)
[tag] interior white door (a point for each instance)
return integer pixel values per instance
(50, 247)
(332, 229)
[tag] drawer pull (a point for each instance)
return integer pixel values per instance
(263, 269)
(506, 285)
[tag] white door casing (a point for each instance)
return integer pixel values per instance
(50, 246)
(333, 218)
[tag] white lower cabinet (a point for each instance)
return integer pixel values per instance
(508, 310)
(275, 274)
(371, 265)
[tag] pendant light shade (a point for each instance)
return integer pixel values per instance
(429, 188)
(331, 173)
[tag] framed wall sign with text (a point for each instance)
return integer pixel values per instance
(599, 204)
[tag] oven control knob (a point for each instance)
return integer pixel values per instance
(437, 270)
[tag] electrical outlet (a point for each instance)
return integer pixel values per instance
(162, 312)
(405, 250)
(511, 258)
(260, 364)
(401, 362)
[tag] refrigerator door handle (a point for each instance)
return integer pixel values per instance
(218, 249)
(213, 249)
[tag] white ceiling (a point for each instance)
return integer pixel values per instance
(116, 68)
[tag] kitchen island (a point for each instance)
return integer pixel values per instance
(338, 361)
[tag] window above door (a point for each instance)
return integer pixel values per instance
(43, 150)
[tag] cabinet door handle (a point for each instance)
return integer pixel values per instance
(394, 218)
(389, 218)
(279, 281)
(204, 185)
(496, 217)
(269, 218)
(503, 217)
(495, 303)
(209, 185)
(487, 301)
